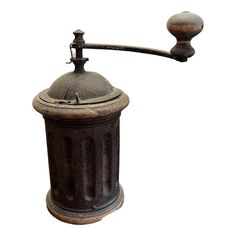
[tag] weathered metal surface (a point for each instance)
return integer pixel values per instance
(81, 87)
(126, 48)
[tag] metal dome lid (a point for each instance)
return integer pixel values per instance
(84, 86)
(80, 88)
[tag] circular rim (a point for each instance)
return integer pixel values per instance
(83, 218)
(80, 111)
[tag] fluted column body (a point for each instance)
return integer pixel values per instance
(83, 162)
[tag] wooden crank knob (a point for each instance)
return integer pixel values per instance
(184, 26)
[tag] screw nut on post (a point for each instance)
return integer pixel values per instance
(184, 26)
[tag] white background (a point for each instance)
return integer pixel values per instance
(178, 135)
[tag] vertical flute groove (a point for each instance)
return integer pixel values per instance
(68, 169)
(89, 168)
(117, 156)
(52, 163)
(107, 163)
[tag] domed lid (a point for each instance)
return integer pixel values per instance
(80, 88)
(84, 86)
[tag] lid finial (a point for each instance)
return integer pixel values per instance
(77, 58)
